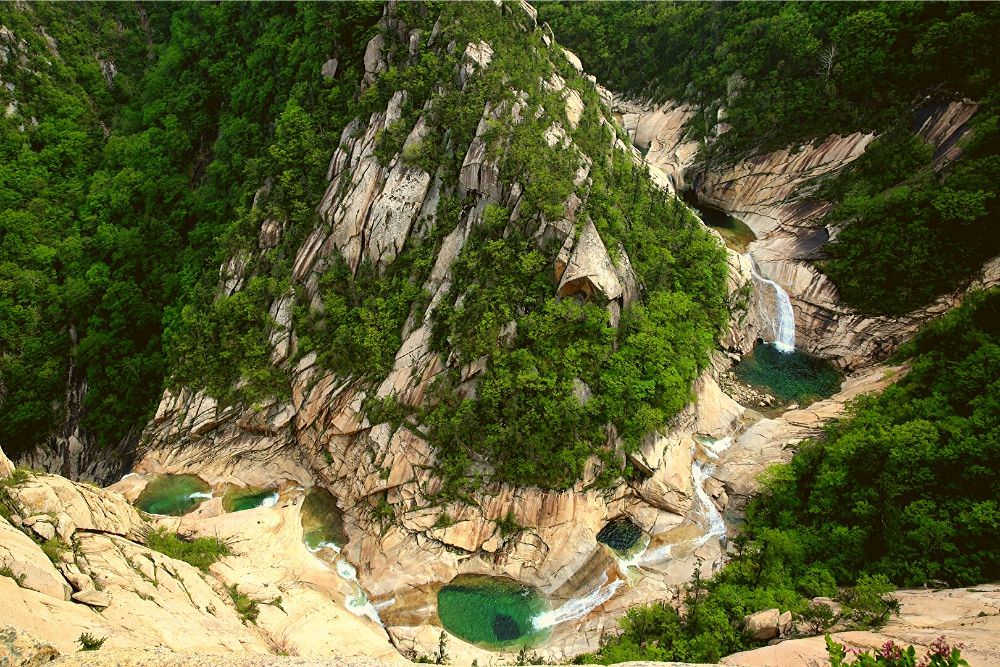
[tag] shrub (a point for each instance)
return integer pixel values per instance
(200, 552)
(53, 548)
(246, 607)
(869, 602)
(89, 642)
(6, 571)
(818, 616)
(940, 654)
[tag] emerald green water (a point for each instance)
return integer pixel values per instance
(492, 612)
(620, 534)
(790, 376)
(173, 495)
(322, 521)
(734, 231)
(237, 499)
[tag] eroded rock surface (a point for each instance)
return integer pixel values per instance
(968, 616)
(773, 194)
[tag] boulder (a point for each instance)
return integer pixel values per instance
(330, 68)
(763, 625)
(93, 598)
(590, 270)
(29, 564)
(6, 467)
(785, 623)
(76, 507)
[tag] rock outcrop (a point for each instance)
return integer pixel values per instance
(968, 616)
(773, 194)
(103, 581)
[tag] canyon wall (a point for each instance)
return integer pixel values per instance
(773, 194)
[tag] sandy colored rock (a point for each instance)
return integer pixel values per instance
(763, 625)
(77, 506)
(93, 598)
(590, 269)
(6, 467)
(19, 649)
(29, 564)
(970, 616)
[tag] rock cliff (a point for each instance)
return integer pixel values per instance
(774, 195)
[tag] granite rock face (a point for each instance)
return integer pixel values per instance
(773, 194)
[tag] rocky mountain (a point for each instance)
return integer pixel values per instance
(456, 292)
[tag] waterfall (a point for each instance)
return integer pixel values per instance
(270, 501)
(700, 470)
(198, 494)
(784, 325)
(577, 607)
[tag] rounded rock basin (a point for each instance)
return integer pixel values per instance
(240, 499)
(173, 495)
(491, 612)
(790, 376)
(322, 521)
(621, 535)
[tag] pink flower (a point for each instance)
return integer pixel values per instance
(890, 651)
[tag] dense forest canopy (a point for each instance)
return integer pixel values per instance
(787, 73)
(901, 492)
(122, 187)
(121, 206)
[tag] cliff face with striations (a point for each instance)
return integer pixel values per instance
(772, 194)
(383, 476)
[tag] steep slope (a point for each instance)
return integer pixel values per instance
(492, 297)
(871, 195)
(134, 137)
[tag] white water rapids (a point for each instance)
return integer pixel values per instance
(715, 525)
(784, 316)
(578, 607)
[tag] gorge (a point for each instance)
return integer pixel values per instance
(442, 366)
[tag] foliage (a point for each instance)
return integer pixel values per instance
(906, 487)
(940, 654)
(783, 74)
(54, 548)
(902, 491)
(6, 571)
(818, 617)
(910, 234)
(200, 552)
(120, 198)
(89, 642)
(786, 73)
(246, 607)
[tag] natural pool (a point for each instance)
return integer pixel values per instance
(790, 376)
(734, 231)
(322, 521)
(620, 534)
(173, 495)
(239, 499)
(492, 612)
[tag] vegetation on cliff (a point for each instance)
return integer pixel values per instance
(903, 491)
(784, 74)
(125, 177)
(527, 419)
(222, 121)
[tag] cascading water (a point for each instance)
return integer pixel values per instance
(577, 607)
(715, 525)
(784, 316)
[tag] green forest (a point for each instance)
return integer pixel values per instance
(121, 205)
(902, 492)
(788, 73)
(120, 198)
